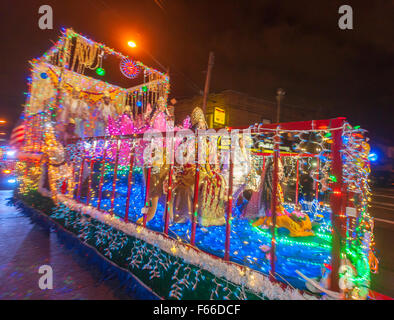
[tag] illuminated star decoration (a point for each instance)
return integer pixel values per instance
(129, 68)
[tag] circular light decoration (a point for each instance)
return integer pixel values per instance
(44, 75)
(129, 68)
(100, 71)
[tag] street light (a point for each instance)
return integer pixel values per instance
(280, 93)
(132, 44)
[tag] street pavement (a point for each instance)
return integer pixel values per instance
(26, 245)
(382, 209)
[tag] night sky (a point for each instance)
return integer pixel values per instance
(258, 45)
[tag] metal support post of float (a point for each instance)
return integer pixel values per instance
(336, 203)
(317, 179)
(146, 203)
(129, 182)
(91, 167)
(297, 180)
(229, 203)
(274, 200)
(102, 172)
(169, 192)
(115, 177)
(195, 197)
(80, 178)
(89, 182)
(169, 198)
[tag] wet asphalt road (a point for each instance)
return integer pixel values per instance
(26, 245)
(382, 209)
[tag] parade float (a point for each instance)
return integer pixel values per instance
(271, 211)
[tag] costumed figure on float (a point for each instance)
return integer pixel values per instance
(75, 108)
(297, 222)
(104, 109)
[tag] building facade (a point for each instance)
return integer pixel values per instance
(236, 109)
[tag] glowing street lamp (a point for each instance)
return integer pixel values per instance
(132, 44)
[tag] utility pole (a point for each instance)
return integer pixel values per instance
(280, 93)
(207, 81)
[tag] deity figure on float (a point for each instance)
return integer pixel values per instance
(212, 186)
(158, 117)
(62, 113)
(104, 109)
(56, 168)
(243, 172)
(155, 119)
(183, 182)
(127, 111)
(75, 108)
(68, 133)
(260, 205)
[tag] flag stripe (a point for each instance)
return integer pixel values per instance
(18, 138)
(18, 129)
(17, 134)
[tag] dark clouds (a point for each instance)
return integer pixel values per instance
(258, 45)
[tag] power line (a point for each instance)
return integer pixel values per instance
(159, 3)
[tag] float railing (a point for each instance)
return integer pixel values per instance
(335, 125)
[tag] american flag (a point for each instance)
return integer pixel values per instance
(18, 135)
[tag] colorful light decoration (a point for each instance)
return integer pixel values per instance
(129, 68)
(100, 71)
(373, 157)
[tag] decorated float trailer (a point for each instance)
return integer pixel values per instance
(273, 211)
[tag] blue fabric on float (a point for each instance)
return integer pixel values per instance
(128, 282)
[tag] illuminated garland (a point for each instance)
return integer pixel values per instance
(68, 34)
